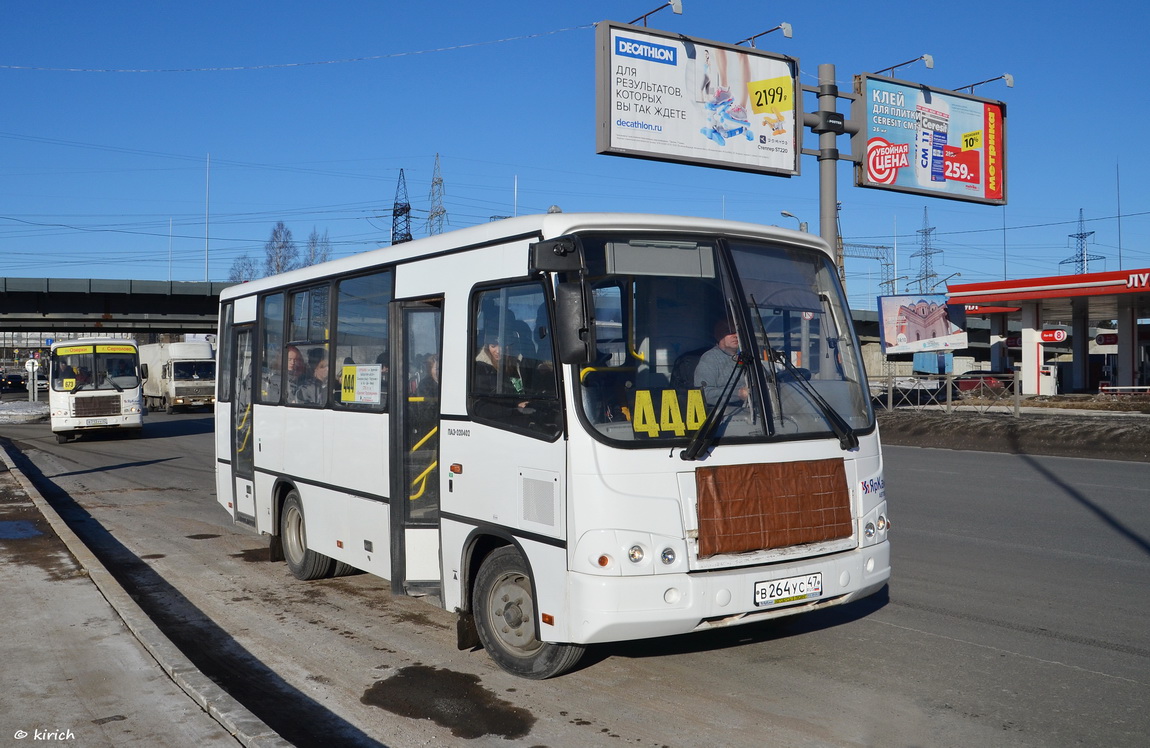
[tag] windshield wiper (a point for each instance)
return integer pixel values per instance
(705, 436)
(842, 429)
(847, 437)
(109, 380)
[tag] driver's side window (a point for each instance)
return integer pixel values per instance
(513, 382)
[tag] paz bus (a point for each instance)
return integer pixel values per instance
(535, 423)
(94, 385)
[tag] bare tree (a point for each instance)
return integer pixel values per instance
(243, 270)
(281, 252)
(318, 248)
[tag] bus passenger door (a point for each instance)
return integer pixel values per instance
(416, 345)
(243, 443)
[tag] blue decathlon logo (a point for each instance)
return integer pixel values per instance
(645, 50)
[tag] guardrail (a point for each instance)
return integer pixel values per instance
(980, 391)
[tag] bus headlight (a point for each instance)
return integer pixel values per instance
(635, 553)
(869, 530)
(667, 556)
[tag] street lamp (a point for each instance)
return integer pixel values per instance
(944, 280)
(785, 27)
(788, 214)
(928, 59)
(1004, 77)
(676, 6)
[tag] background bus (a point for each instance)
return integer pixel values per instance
(94, 385)
(522, 422)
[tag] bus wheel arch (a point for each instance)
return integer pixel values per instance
(303, 562)
(504, 608)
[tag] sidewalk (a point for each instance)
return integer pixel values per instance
(82, 663)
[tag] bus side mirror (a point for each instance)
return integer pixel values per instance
(574, 329)
(143, 371)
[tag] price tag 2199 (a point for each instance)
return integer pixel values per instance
(772, 95)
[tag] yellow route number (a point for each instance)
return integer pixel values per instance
(670, 417)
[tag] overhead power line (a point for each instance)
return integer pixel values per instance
(272, 66)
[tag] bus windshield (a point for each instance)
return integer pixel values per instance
(94, 367)
(754, 334)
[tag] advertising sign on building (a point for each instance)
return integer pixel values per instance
(668, 97)
(911, 324)
(929, 141)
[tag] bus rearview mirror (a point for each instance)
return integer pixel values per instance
(574, 329)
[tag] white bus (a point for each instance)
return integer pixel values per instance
(525, 421)
(94, 385)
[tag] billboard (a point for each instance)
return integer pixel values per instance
(929, 141)
(668, 97)
(923, 322)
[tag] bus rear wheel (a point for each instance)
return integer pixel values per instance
(303, 563)
(503, 603)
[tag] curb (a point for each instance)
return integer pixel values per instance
(230, 714)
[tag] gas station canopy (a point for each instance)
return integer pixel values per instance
(1121, 297)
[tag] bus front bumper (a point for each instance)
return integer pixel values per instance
(623, 608)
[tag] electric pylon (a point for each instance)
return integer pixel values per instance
(401, 213)
(438, 212)
(926, 263)
(1080, 258)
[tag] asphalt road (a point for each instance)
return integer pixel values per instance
(1015, 617)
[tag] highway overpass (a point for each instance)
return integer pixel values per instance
(96, 306)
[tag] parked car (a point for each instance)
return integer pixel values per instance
(14, 383)
(41, 382)
(992, 380)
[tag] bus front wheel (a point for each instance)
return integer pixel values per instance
(503, 603)
(303, 563)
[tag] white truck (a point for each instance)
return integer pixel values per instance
(178, 375)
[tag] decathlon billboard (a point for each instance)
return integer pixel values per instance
(668, 97)
(929, 141)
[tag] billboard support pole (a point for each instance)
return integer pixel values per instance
(828, 167)
(829, 124)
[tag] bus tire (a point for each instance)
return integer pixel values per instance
(61, 438)
(503, 603)
(303, 563)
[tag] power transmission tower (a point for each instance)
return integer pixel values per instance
(401, 213)
(875, 252)
(438, 212)
(1080, 258)
(926, 263)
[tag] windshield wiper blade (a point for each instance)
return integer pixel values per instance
(847, 438)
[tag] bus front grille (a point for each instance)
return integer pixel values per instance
(771, 505)
(101, 405)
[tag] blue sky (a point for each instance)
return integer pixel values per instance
(307, 112)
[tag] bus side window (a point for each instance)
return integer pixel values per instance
(361, 348)
(513, 381)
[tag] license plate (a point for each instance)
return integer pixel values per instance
(789, 590)
(96, 422)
